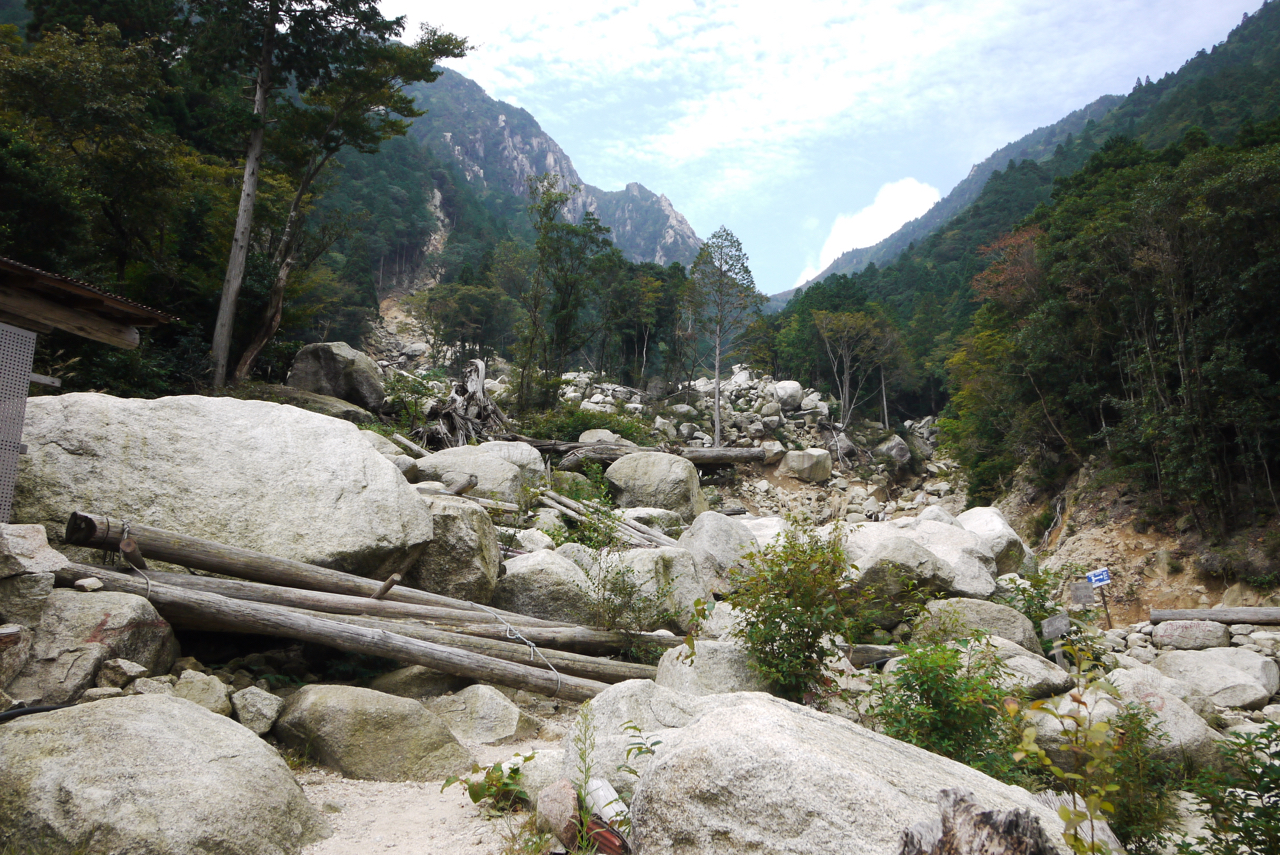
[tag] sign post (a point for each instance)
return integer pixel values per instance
(1052, 629)
(1100, 578)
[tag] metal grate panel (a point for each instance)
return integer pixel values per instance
(17, 348)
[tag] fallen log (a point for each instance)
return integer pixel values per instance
(100, 532)
(410, 446)
(1254, 615)
(577, 638)
(579, 453)
(587, 508)
(626, 534)
(211, 611)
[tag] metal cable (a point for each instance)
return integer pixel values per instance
(514, 633)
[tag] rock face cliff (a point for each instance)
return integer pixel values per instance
(496, 147)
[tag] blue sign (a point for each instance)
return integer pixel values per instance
(1099, 577)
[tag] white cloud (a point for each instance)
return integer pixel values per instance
(896, 203)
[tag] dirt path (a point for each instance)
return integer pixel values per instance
(410, 817)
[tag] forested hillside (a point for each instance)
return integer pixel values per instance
(1118, 296)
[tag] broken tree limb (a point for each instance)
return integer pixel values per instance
(211, 611)
(391, 582)
(1256, 615)
(99, 532)
(410, 446)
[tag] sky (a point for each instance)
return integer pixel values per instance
(809, 128)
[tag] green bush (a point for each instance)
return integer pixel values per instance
(795, 606)
(947, 699)
(1241, 802)
(1147, 783)
(568, 423)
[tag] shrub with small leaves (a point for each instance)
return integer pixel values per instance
(502, 787)
(796, 604)
(1241, 801)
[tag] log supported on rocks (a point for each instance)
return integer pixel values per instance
(1265, 616)
(542, 633)
(578, 453)
(100, 532)
(212, 611)
(636, 532)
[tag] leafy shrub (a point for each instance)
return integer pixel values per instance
(502, 788)
(947, 699)
(616, 601)
(567, 423)
(1033, 595)
(795, 606)
(1241, 802)
(1146, 782)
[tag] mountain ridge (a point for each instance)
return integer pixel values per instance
(498, 146)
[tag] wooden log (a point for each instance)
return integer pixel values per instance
(630, 536)
(545, 633)
(712, 457)
(212, 611)
(391, 582)
(566, 662)
(99, 532)
(410, 446)
(647, 534)
(1256, 615)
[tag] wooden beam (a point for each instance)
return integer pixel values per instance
(1258, 615)
(27, 305)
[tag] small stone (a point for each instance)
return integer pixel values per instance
(149, 686)
(88, 585)
(118, 673)
(256, 709)
(100, 693)
(206, 690)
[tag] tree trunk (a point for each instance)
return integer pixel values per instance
(716, 441)
(884, 401)
(244, 215)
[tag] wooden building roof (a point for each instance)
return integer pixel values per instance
(41, 302)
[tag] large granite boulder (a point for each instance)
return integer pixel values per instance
(652, 479)
(895, 450)
(810, 464)
(258, 475)
(753, 773)
(789, 394)
(667, 568)
(325, 405)
(965, 565)
(961, 617)
(1004, 543)
(718, 543)
(463, 559)
(1229, 676)
(521, 454)
(483, 714)
(544, 585)
(716, 668)
(1191, 634)
(336, 369)
(417, 682)
(496, 477)
(148, 774)
(886, 566)
(27, 565)
(370, 735)
(1180, 735)
(78, 632)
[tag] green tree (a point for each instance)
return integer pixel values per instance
(573, 259)
(728, 296)
(296, 44)
(359, 109)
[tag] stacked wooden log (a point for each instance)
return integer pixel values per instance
(276, 596)
(629, 531)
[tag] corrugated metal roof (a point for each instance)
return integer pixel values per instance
(137, 313)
